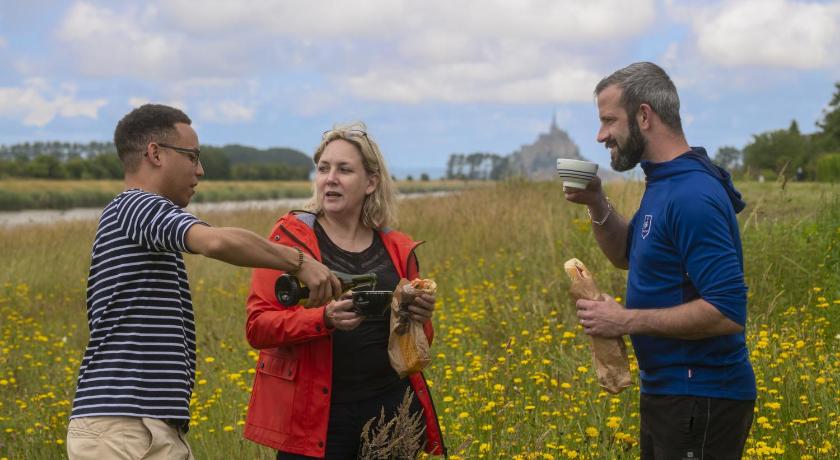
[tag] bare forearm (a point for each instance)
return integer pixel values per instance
(244, 248)
(694, 320)
(611, 236)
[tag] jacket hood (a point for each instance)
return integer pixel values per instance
(695, 159)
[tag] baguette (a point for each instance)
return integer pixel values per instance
(608, 355)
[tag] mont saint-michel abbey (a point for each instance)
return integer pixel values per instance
(536, 160)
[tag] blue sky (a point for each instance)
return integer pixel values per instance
(429, 77)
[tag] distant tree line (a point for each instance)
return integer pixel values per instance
(476, 166)
(788, 152)
(99, 160)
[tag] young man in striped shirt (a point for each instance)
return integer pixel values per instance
(136, 377)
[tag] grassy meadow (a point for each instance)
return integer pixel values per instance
(19, 194)
(511, 374)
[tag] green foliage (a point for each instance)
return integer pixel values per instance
(268, 172)
(828, 168)
(772, 150)
(55, 160)
(241, 154)
(775, 149)
(216, 163)
(830, 123)
(476, 166)
(728, 157)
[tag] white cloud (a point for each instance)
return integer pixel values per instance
(37, 103)
(766, 33)
(394, 50)
(104, 42)
(226, 112)
(137, 101)
(473, 82)
(568, 21)
(3, 43)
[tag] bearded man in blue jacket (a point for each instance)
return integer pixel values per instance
(686, 297)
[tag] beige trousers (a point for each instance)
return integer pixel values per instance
(129, 438)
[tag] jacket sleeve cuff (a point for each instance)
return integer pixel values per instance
(313, 322)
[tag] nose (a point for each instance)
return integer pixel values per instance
(199, 169)
(602, 135)
(332, 175)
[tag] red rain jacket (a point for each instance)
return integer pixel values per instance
(290, 401)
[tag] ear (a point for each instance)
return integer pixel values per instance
(644, 116)
(373, 182)
(153, 154)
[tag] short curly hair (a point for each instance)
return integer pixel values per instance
(145, 124)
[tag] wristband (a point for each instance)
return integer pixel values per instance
(295, 270)
(606, 216)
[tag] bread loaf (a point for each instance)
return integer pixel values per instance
(608, 355)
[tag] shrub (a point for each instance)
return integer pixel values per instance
(828, 167)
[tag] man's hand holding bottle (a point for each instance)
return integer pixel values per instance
(322, 283)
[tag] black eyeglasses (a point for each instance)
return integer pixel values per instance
(192, 153)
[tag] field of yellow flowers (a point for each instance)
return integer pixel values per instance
(511, 374)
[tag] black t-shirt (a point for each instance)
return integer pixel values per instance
(361, 368)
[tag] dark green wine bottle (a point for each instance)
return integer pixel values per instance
(290, 291)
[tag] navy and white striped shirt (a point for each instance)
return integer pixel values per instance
(140, 359)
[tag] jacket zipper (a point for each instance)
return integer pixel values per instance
(298, 241)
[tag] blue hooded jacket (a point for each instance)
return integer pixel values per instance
(684, 243)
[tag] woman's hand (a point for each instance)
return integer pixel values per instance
(339, 314)
(422, 308)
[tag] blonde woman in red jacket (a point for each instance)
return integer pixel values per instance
(324, 372)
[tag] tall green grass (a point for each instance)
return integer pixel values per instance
(511, 374)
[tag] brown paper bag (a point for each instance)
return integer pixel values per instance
(608, 355)
(408, 348)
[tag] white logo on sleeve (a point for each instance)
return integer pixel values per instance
(646, 225)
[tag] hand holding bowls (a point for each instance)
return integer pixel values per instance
(576, 173)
